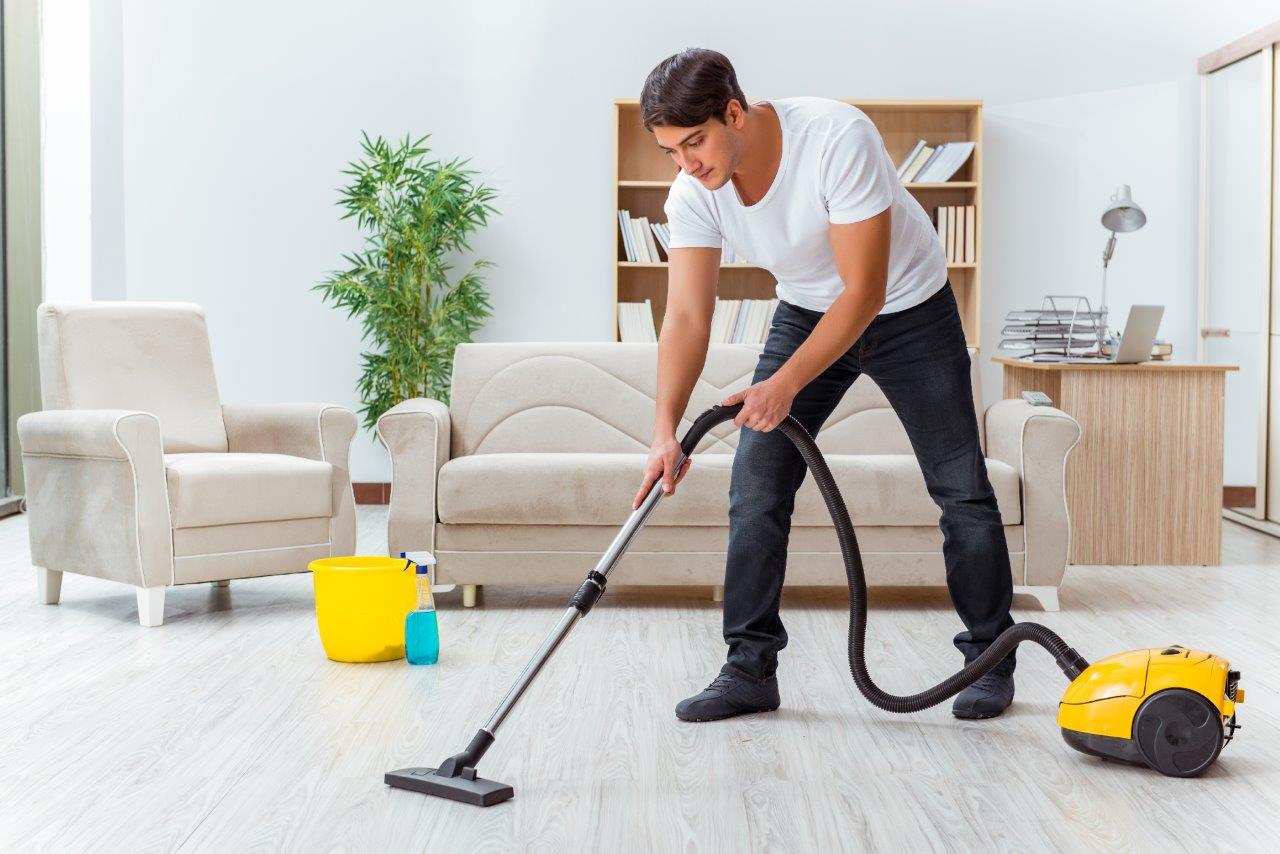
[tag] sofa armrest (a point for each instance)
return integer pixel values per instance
(1036, 440)
(97, 502)
(416, 433)
(316, 431)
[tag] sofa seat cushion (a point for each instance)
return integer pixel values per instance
(598, 488)
(226, 489)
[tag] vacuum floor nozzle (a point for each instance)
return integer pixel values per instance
(467, 789)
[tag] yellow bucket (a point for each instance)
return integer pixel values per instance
(361, 603)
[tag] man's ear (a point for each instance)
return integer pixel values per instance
(734, 114)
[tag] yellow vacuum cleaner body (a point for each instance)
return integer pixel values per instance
(1171, 708)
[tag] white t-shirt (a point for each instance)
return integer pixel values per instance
(834, 169)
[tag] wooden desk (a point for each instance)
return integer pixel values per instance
(1144, 486)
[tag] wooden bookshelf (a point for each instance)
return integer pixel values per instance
(643, 176)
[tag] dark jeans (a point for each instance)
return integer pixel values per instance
(919, 359)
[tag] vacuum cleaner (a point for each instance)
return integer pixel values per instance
(1170, 708)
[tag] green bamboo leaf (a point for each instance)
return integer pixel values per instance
(415, 213)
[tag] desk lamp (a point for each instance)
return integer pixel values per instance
(1122, 214)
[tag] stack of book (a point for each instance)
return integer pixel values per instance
(638, 237)
(638, 241)
(635, 322)
(1161, 350)
(928, 164)
(741, 321)
(957, 229)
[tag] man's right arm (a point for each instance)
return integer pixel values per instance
(682, 351)
(686, 332)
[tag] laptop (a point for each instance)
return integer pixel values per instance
(1136, 341)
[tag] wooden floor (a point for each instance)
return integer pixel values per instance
(227, 729)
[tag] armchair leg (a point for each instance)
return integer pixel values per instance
(150, 606)
(49, 585)
(468, 595)
(1046, 596)
(226, 582)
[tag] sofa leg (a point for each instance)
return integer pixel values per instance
(717, 593)
(225, 582)
(49, 585)
(1047, 596)
(150, 606)
(468, 595)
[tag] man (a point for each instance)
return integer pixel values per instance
(805, 188)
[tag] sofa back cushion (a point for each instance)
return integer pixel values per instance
(511, 397)
(149, 356)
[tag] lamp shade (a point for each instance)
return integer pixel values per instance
(1123, 214)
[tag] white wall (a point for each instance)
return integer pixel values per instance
(64, 93)
(234, 121)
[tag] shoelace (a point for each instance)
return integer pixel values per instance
(988, 682)
(723, 682)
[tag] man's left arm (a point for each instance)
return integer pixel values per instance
(861, 252)
(857, 181)
(862, 257)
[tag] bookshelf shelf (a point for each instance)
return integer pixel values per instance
(642, 170)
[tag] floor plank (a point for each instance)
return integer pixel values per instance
(227, 729)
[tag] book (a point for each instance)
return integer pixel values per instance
(635, 322)
(919, 174)
(946, 161)
(970, 238)
(650, 246)
(736, 321)
(951, 234)
(910, 158)
(624, 222)
(641, 239)
(922, 157)
(660, 231)
(637, 240)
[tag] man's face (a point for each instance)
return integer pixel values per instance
(710, 152)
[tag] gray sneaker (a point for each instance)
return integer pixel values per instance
(729, 694)
(986, 698)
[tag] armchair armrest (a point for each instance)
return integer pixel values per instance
(1036, 440)
(96, 496)
(315, 431)
(416, 433)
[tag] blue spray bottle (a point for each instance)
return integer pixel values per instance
(421, 633)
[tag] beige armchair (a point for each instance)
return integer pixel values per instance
(136, 472)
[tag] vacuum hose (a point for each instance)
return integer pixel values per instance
(1070, 661)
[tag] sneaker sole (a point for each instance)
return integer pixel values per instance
(692, 719)
(976, 716)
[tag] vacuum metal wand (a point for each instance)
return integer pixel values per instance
(596, 582)
(456, 777)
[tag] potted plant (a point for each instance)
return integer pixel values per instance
(414, 213)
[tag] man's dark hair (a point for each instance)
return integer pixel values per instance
(688, 88)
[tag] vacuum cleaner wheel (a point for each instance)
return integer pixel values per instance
(1178, 731)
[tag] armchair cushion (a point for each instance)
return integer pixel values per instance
(597, 489)
(225, 489)
(152, 357)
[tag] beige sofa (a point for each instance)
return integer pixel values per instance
(528, 473)
(136, 472)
